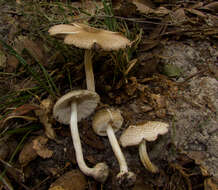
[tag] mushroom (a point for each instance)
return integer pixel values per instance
(139, 134)
(105, 123)
(70, 109)
(84, 36)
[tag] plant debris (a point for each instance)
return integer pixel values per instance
(72, 180)
(168, 73)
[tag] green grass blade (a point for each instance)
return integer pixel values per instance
(15, 152)
(27, 67)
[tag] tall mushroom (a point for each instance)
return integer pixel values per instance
(84, 36)
(70, 109)
(139, 134)
(105, 123)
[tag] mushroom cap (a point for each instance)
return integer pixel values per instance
(84, 36)
(106, 117)
(86, 101)
(148, 131)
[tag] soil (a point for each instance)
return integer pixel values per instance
(176, 81)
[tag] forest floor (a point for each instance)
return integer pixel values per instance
(169, 74)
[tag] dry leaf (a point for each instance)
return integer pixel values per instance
(178, 16)
(40, 148)
(159, 100)
(143, 6)
(210, 185)
(34, 50)
(4, 151)
(146, 7)
(198, 156)
(12, 63)
(18, 2)
(2, 60)
(18, 44)
(124, 9)
(72, 180)
(32, 149)
(44, 113)
(212, 6)
(196, 5)
(24, 109)
(27, 154)
(87, 6)
(196, 12)
(7, 147)
(90, 6)
(161, 11)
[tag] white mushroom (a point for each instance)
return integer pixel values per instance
(139, 134)
(105, 123)
(71, 108)
(84, 36)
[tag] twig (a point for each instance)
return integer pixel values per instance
(39, 184)
(193, 75)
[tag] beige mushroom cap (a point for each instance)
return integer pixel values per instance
(86, 101)
(148, 131)
(106, 117)
(84, 36)
(63, 29)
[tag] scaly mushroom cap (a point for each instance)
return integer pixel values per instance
(84, 36)
(86, 101)
(148, 131)
(106, 117)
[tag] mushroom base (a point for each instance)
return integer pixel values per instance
(126, 179)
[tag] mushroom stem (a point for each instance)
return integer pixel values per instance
(116, 149)
(76, 140)
(100, 171)
(90, 81)
(145, 159)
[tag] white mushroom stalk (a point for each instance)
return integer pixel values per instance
(143, 154)
(124, 173)
(116, 149)
(90, 80)
(100, 171)
(69, 110)
(115, 146)
(105, 123)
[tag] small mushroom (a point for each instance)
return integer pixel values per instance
(105, 123)
(71, 108)
(84, 36)
(139, 134)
